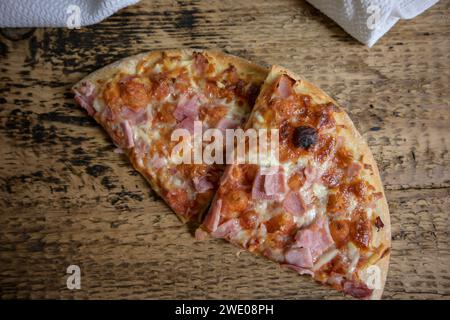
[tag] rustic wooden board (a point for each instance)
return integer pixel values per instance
(66, 198)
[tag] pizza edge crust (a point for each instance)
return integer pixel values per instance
(362, 145)
(244, 67)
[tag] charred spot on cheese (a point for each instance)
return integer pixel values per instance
(379, 223)
(304, 137)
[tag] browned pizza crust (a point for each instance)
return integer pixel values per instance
(353, 137)
(244, 67)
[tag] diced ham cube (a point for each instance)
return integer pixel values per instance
(202, 184)
(84, 96)
(269, 184)
(128, 134)
(358, 290)
(226, 123)
(316, 238)
(285, 86)
(227, 229)
(293, 203)
(300, 257)
(187, 107)
(135, 117)
(188, 124)
(213, 218)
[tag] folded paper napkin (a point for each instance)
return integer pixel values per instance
(366, 20)
(369, 20)
(57, 13)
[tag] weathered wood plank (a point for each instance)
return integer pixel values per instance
(145, 253)
(66, 198)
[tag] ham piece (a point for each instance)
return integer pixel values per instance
(293, 203)
(188, 124)
(226, 123)
(85, 97)
(157, 162)
(128, 134)
(135, 117)
(212, 219)
(284, 87)
(316, 238)
(358, 290)
(269, 184)
(300, 257)
(187, 107)
(227, 229)
(202, 184)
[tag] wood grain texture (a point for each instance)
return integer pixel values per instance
(66, 198)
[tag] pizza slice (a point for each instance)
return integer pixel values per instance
(319, 206)
(141, 100)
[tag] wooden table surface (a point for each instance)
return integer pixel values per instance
(66, 198)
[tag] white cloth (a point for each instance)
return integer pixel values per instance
(57, 13)
(369, 20)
